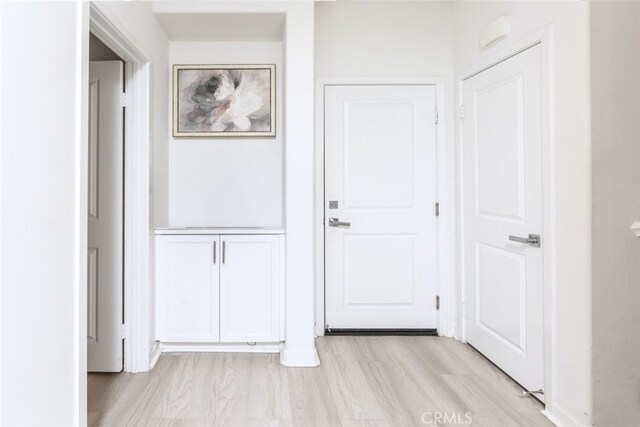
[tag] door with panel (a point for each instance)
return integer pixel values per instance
(380, 196)
(189, 278)
(502, 215)
(105, 222)
(249, 289)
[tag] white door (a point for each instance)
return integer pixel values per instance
(502, 197)
(189, 278)
(380, 179)
(106, 208)
(249, 289)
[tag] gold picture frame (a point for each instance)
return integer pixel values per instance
(224, 101)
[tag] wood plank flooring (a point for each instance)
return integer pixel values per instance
(363, 381)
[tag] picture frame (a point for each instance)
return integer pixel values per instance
(224, 101)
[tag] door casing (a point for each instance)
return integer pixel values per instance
(445, 192)
(137, 240)
(544, 38)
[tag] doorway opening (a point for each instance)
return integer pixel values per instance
(499, 263)
(380, 208)
(396, 268)
(134, 314)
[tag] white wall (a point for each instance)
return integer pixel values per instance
(397, 39)
(439, 38)
(299, 347)
(569, 391)
(386, 39)
(383, 39)
(298, 125)
(227, 182)
(42, 243)
(615, 112)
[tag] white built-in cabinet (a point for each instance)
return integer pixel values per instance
(219, 288)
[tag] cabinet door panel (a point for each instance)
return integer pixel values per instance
(190, 277)
(249, 289)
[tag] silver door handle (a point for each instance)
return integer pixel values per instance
(214, 251)
(335, 222)
(533, 240)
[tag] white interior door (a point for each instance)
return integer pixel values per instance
(380, 177)
(502, 197)
(106, 208)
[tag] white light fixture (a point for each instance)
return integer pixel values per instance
(496, 30)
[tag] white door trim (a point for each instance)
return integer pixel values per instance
(445, 190)
(136, 192)
(544, 38)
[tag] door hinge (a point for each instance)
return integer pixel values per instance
(437, 302)
(437, 209)
(124, 102)
(437, 116)
(461, 112)
(124, 331)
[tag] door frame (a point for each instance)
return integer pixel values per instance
(544, 38)
(445, 193)
(137, 247)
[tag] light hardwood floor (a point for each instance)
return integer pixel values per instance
(363, 381)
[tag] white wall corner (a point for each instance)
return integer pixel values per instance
(44, 380)
(299, 347)
(305, 359)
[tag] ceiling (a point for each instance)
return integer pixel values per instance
(222, 26)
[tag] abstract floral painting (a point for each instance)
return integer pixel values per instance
(223, 100)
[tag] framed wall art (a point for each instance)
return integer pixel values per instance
(224, 101)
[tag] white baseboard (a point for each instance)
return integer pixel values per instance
(155, 355)
(551, 418)
(561, 418)
(220, 348)
(447, 332)
(305, 359)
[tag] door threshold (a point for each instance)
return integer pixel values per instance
(382, 332)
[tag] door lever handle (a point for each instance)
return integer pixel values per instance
(533, 240)
(335, 222)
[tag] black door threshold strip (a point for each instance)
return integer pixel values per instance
(382, 332)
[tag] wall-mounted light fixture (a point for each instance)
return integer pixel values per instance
(496, 30)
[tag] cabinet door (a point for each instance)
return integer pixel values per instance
(189, 277)
(249, 289)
